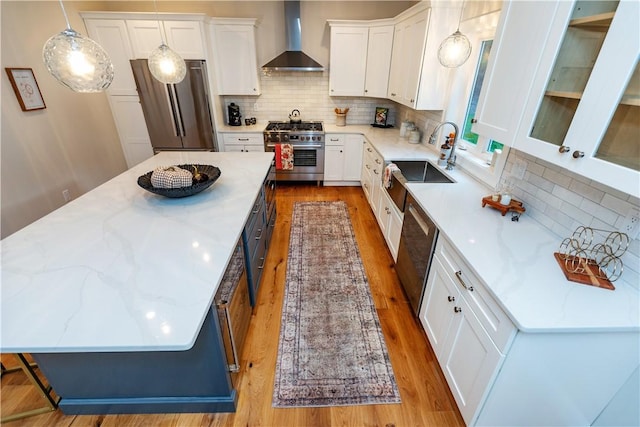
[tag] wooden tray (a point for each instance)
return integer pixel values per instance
(589, 278)
(515, 205)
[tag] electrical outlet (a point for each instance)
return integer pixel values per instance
(66, 196)
(631, 224)
(256, 107)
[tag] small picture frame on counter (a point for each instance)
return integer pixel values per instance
(380, 118)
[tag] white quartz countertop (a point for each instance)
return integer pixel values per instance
(514, 259)
(122, 269)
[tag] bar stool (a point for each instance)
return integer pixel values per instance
(45, 392)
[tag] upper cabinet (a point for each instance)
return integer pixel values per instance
(584, 109)
(504, 92)
(184, 37)
(417, 79)
(360, 58)
(111, 34)
(234, 50)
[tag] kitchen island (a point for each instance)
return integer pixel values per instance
(112, 293)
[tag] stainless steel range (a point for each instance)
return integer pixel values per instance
(307, 139)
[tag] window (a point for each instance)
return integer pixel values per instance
(482, 144)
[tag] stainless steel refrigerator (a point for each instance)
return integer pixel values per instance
(178, 116)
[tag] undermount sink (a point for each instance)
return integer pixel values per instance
(422, 171)
(413, 171)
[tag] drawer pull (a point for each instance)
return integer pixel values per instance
(259, 235)
(378, 161)
(457, 309)
(243, 139)
(451, 298)
(464, 285)
(261, 266)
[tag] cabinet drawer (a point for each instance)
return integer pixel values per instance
(242, 138)
(334, 139)
(256, 231)
(492, 318)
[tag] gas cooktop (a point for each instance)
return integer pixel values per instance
(294, 127)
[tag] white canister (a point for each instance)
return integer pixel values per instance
(404, 128)
(414, 136)
(505, 199)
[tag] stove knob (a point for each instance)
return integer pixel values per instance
(313, 138)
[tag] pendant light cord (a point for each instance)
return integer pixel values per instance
(160, 26)
(460, 18)
(64, 12)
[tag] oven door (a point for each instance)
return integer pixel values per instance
(308, 163)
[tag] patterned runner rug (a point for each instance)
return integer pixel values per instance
(331, 351)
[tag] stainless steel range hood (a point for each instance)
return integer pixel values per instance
(293, 59)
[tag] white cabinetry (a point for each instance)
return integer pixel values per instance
(386, 212)
(112, 35)
(184, 37)
(244, 142)
(360, 58)
(584, 108)
(343, 159)
(521, 24)
(132, 130)
(467, 329)
(417, 79)
(234, 50)
(378, 60)
(348, 60)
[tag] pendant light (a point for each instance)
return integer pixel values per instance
(76, 61)
(165, 64)
(455, 49)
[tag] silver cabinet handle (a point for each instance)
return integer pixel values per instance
(243, 139)
(378, 161)
(457, 309)
(464, 285)
(578, 154)
(259, 235)
(564, 149)
(261, 266)
(451, 298)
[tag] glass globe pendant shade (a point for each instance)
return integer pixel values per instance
(454, 50)
(166, 65)
(78, 62)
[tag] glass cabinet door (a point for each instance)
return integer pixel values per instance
(620, 144)
(578, 52)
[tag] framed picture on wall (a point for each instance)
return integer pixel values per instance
(26, 88)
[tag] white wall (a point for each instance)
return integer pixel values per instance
(72, 144)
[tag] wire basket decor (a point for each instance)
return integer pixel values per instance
(593, 256)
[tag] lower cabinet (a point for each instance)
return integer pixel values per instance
(244, 142)
(467, 355)
(390, 220)
(343, 159)
(502, 376)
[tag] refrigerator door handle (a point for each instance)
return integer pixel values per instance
(178, 125)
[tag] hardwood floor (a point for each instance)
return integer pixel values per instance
(426, 399)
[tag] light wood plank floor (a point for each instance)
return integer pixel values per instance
(426, 400)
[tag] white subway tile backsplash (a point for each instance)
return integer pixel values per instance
(583, 203)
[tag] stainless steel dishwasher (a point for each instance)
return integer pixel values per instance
(417, 243)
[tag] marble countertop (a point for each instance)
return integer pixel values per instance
(514, 259)
(121, 269)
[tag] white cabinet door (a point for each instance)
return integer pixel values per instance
(132, 130)
(234, 48)
(145, 37)
(437, 308)
(186, 38)
(333, 162)
(379, 49)
(583, 113)
(471, 361)
(521, 24)
(352, 157)
(406, 61)
(348, 60)
(112, 35)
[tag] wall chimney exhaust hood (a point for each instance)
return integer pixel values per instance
(293, 59)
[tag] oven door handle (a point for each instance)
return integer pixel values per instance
(298, 146)
(421, 222)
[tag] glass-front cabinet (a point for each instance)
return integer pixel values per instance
(584, 110)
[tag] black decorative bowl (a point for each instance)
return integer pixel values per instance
(211, 171)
